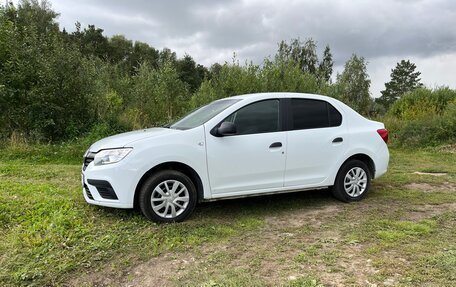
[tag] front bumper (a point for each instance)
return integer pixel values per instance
(111, 185)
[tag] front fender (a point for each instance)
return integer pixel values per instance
(187, 147)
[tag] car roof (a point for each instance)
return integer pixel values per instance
(259, 96)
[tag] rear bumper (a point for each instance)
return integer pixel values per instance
(381, 161)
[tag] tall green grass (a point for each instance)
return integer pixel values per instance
(67, 152)
(423, 117)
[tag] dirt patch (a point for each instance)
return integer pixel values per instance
(312, 216)
(426, 211)
(451, 148)
(430, 173)
(270, 251)
(426, 187)
(290, 245)
(158, 271)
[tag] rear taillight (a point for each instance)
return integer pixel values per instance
(384, 134)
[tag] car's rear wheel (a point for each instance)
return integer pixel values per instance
(352, 182)
(167, 196)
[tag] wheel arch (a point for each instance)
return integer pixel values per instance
(171, 165)
(364, 158)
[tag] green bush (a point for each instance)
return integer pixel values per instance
(422, 103)
(423, 117)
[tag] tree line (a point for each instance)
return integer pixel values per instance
(56, 85)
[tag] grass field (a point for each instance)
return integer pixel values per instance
(403, 233)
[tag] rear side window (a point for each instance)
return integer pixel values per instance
(259, 117)
(335, 118)
(312, 114)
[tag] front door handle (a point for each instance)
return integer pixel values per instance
(276, 144)
(338, 140)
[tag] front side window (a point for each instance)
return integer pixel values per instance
(312, 114)
(203, 114)
(259, 117)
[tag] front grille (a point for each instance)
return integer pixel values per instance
(88, 159)
(87, 191)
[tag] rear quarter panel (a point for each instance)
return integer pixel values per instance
(365, 139)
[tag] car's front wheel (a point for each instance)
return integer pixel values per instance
(167, 196)
(352, 182)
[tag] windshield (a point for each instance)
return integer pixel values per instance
(202, 115)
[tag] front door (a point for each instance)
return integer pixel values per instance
(253, 159)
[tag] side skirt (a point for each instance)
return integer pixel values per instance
(263, 193)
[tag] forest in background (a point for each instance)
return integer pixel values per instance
(57, 86)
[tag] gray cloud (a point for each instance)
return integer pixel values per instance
(381, 31)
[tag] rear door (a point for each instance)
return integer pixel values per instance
(317, 139)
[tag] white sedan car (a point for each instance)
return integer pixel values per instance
(235, 147)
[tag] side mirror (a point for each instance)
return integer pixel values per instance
(226, 129)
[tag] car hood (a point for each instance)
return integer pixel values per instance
(125, 139)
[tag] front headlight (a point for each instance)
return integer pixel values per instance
(109, 156)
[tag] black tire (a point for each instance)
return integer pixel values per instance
(338, 190)
(157, 179)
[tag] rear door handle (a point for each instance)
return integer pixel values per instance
(338, 140)
(276, 144)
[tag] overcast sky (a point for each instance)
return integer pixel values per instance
(384, 32)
